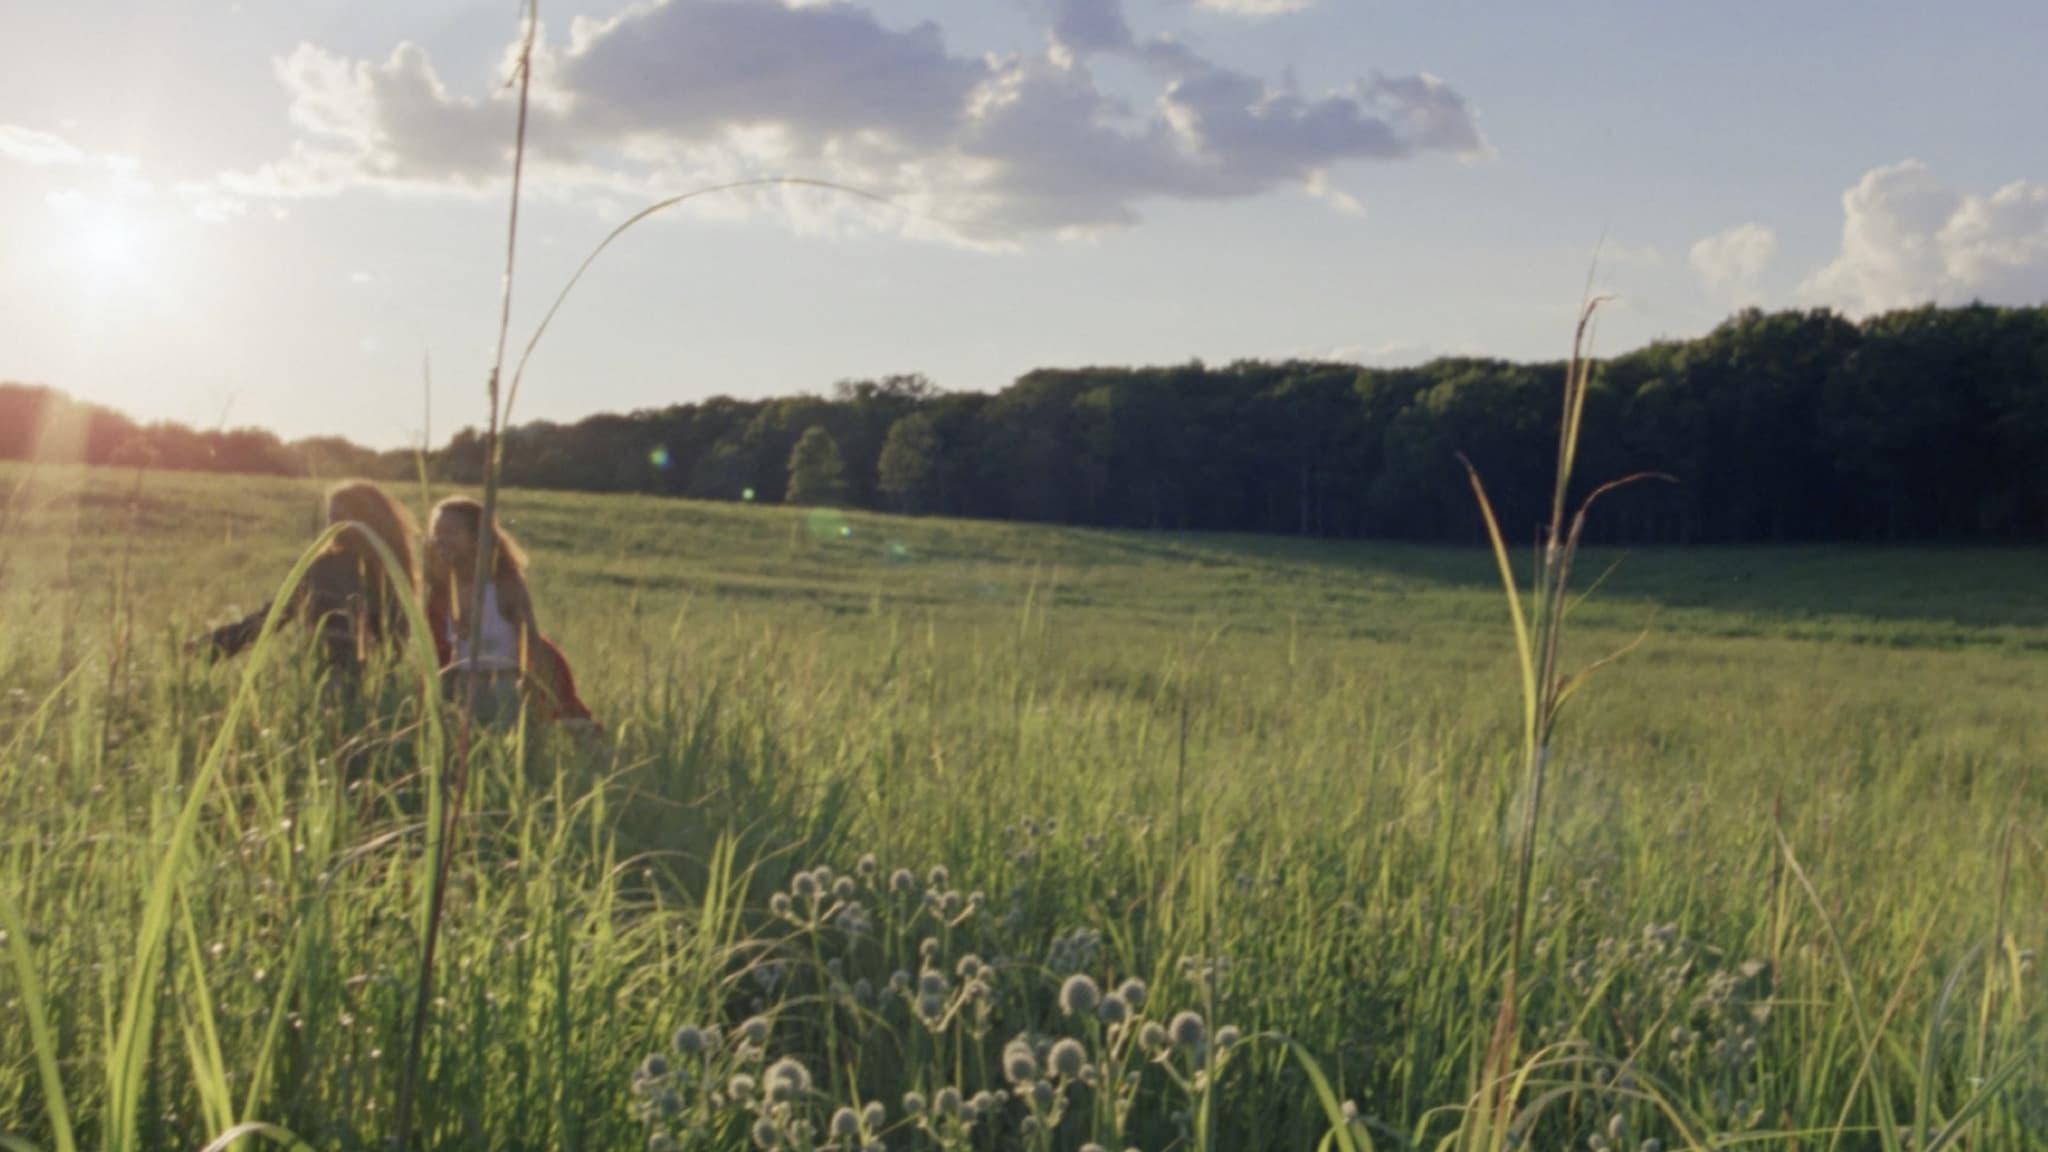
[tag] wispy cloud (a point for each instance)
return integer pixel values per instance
(1344, 203)
(38, 149)
(1732, 261)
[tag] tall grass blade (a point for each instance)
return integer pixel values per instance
(40, 1037)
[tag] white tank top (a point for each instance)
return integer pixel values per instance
(500, 651)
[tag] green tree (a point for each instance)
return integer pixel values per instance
(909, 467)
(817, 473)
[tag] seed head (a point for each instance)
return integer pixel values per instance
(866, 867)
(1188, 1031)
(766, 1134)
(901, 881)
(740, 1087)
(913, 1104)
(932, 982)
(1067, 1059)
(946, 1103)
(755, 1029)
(1114, 1009)
(779, 904)
(689, 1040)
(1227, 1037)
(938, 876)
(874, 1115)
(788, 1080)
(654, 1067)
(1079, 995)
(845, 1125)
(1152, 1037)
(1042, 1095)
(1020, 1065)
(805, 886)
(843, 888)
(1133, 992)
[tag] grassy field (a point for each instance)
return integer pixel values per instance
(1273, 780)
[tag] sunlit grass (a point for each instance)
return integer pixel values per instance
(1301, 758)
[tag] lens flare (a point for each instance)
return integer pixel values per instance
(659, 457)
(827, 524)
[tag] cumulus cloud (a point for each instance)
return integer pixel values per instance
(1092, 25)
(1909, 239)
(986, 147)
(1732, 261)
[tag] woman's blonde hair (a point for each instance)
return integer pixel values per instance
(508, 558)
(361, 502)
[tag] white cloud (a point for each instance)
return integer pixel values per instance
(1344, 203)
(37, 149)
(1909, 239)
(676, 94)
(1387, 353)
(207, 202)
(1732, 262)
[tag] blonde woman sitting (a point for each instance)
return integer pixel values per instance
(348, 595)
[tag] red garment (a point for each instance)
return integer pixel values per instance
(560, 702)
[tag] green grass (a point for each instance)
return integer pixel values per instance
(1301, 757)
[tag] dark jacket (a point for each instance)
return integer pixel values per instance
(344, 599)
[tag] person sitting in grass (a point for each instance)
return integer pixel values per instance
(512, 662)
(349, 596)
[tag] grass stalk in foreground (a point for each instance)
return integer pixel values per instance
(1539, 633)
(447, 784)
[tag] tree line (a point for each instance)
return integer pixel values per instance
(1929, 424)
(42, 423)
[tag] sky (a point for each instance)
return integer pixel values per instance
(292, 213)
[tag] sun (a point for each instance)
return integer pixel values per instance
(106, 240)
(108, 245)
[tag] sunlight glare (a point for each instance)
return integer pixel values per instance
(106, 241)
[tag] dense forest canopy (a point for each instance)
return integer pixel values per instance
(1929, 424)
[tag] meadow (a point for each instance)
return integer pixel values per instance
(890, 813)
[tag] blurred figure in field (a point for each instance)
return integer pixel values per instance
(512, 663)
(349, 596)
